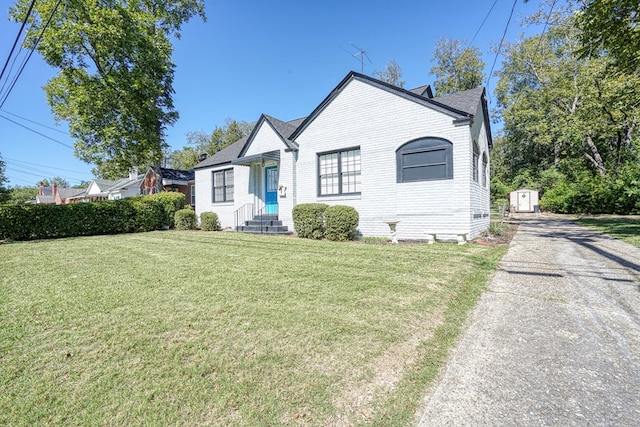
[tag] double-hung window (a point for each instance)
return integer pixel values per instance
(222, 186)
(339, 172)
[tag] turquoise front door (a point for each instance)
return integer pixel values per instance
(271, 189)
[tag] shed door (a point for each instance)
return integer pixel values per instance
(271, 189)
(524, 201)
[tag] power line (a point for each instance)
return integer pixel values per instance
(481, 25)
(501, 41)
(15, 42)
(35, 131)
(535, 52)
(44, 166)
(36, 123)
(24, 64)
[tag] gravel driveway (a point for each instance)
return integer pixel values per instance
(555, 340)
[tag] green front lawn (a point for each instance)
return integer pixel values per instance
(619, 227)
(194, 328)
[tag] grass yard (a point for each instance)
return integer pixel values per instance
(626, 228)
(194, 328)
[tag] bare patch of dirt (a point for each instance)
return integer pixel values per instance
(488, 238)
(355, 403)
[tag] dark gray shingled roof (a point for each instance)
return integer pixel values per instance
(467, 100)
(226, 155)
(423, 91)
(177, 174)
(462, 104)
(232, 152)
(66, 193)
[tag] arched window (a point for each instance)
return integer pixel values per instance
(425, 159)
(476, 159)
(485, 169)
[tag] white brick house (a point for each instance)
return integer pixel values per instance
(392, 154)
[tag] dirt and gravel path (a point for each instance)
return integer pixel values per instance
(555, 340)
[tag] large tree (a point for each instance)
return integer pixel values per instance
(115, 80)
(456, 67)
(611, 27)
(567, 118)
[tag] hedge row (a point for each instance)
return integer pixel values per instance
(143, 213)
(318, 220)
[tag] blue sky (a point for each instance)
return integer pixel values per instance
(251, 57)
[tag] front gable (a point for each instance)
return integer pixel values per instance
(376, 94)
(263, 139)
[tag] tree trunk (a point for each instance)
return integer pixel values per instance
(596, 159)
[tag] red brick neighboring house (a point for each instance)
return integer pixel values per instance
(55, 195)
(178, 180)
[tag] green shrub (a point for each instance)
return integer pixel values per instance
(171, 202)
(341, 223)
(148, 214)
(308, 220)
(185, 219)
(209, 221)
(28, 222)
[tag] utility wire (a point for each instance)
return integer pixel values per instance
(481, 25)
(500, 45)
(15, 43)
(34, 122)
(9, 160)
(30, 53)
(35, 131)
(535, 52)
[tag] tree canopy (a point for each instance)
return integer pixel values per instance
(570, 125)
(611, 28)
(115, 80)
(391, 74)
(456, 67)
(199, 142)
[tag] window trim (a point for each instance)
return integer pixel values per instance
(319, 176)
(485, 169)
(224, 186)
(423, 145)
(476, 162)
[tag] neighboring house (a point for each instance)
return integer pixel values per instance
(97, 190)
(45, 195)
(182, 181)
(392, 154)
(105, 189)
(65, 196)
(55, 195)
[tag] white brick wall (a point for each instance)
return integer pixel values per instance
(379, 123)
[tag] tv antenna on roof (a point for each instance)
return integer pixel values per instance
(362, 53)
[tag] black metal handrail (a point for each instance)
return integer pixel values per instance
(240, 214)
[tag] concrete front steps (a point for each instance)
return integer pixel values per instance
(264, 224)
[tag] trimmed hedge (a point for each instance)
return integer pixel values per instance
(308, 220)
(341, 223)
(185, 219)
(171, 202)
(29, 222)
(209, 221)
